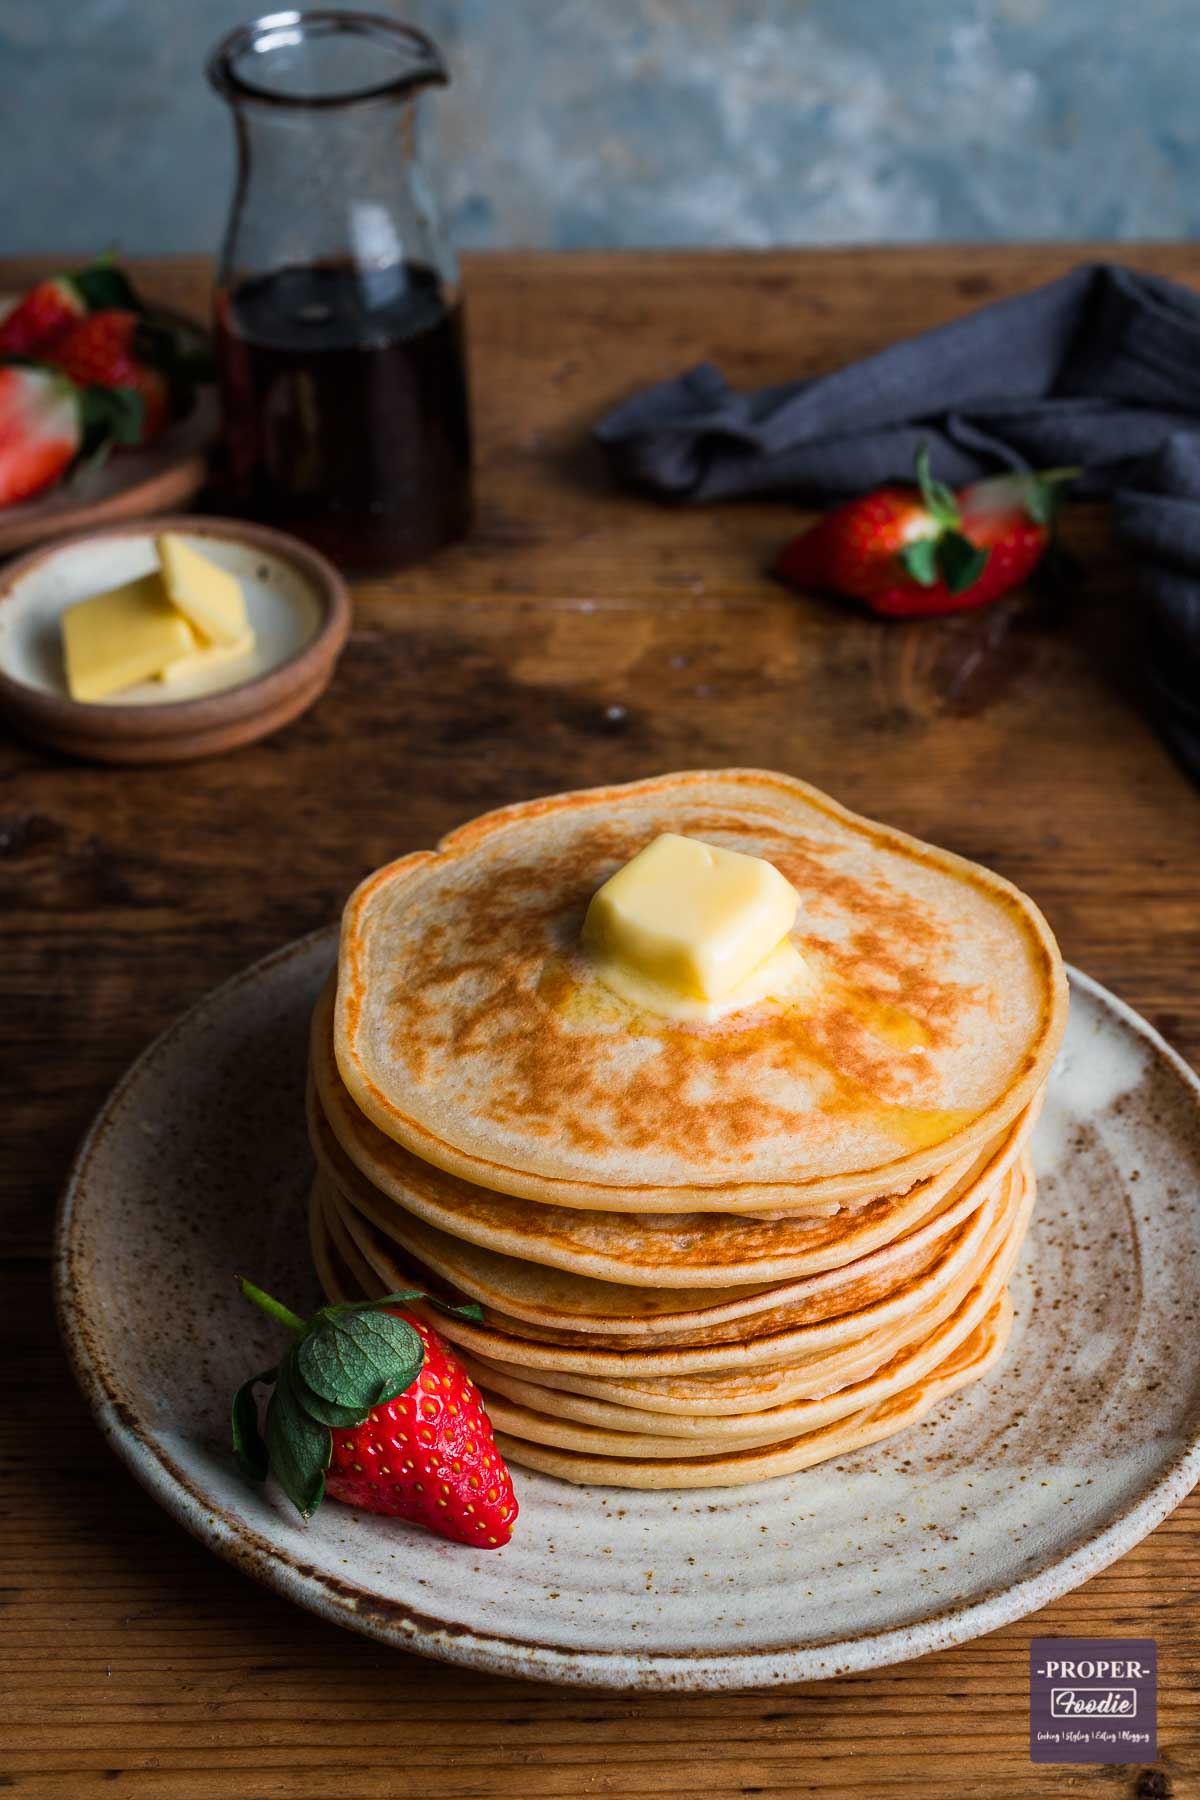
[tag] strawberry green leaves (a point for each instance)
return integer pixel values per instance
(248, 1445)
(103, 284)
(355, 1362)
(948, 557)
(345, 1361)
(946, 554)
(960, 563)
(110, 416)
(920, 558)
(1041, 491)
(298, 1446)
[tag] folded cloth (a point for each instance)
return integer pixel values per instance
(1099, 370)
(1158, 516)
(1095, 369)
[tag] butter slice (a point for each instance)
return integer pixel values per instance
(119, 638)
(209, 597)
(690, 921)
(203, 657)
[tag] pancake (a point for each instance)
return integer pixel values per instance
(730, 1393)
(641, 1250)
(376, 1270)
(597, 1430)
(471, 1031)
(737, 1395)
(735, 1468)
(726, 1393)
(350, 1262)
(727, 1468)
(572, 1307)
(337, 1282)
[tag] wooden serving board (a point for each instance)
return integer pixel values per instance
(582, 636)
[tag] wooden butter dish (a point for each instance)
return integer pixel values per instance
(297, 603)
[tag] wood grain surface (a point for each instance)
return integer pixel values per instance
(581, 636)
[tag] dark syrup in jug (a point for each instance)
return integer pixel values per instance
(346, 411)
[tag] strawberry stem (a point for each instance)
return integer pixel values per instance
(272, 1308)
(941, 502)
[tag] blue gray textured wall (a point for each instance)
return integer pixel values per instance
(576, 122)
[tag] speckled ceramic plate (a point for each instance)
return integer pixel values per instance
(1084, 1437)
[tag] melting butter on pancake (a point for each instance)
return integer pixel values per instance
(472, 1030)
(686, 930)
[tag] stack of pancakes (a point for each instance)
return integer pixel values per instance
(706, 1252)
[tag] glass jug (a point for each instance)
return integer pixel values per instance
(338, 320)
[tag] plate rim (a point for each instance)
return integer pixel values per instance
(450, 1640)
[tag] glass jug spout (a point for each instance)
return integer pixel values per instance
(324, 59)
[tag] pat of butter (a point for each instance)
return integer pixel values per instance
(209, 597)
(116, 639)
(203, 657)
(690, 923)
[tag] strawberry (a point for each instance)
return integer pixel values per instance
(116, 348)
(428, 1455)
(370, 1407)
(915, 552)
(40, 317)
(41, 430)
(45, 313)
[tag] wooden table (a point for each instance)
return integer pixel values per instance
(582, 636)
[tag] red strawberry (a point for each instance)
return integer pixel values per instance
(372, 1395)
(115, 348)
(41, 430)
(428, 1455)
(41, 316)
(44, 314)
(915, 552)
